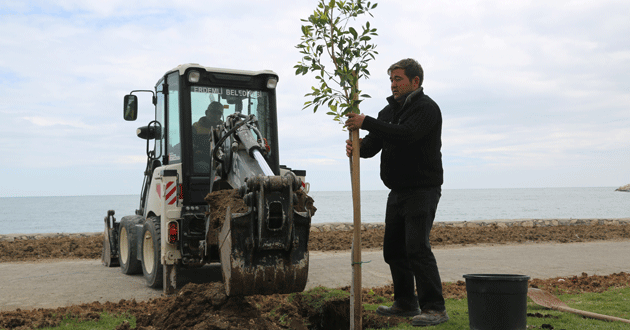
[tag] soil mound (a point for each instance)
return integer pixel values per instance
(52, 248)
(203, 306)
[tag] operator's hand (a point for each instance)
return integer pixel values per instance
(354, 121)
(349, 147)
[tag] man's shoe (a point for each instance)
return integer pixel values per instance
(396, 311)
(429, 317)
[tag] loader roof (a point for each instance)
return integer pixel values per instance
(183, 67)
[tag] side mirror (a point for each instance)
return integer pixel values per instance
(130, 107)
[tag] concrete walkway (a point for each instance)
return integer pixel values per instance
(59, 283)
(544, 260)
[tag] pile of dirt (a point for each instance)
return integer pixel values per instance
(205, 306)
(91, 247)
(219, 202)
(52, 248)
(583, 283)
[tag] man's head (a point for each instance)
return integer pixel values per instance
(215, 110)
(406, 76)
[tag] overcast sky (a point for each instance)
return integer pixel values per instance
(532, 93)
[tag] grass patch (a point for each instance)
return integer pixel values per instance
(614, 302)
(319, 296)
(105, 321)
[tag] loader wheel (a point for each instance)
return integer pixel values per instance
(151, 265)
(129, 263)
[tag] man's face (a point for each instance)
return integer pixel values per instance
(215, 115)
(401, 84)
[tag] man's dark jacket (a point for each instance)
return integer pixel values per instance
(409, 137)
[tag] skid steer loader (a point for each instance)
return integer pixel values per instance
(214, 129)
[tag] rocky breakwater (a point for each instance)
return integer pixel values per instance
(624, 188)
(326, 227)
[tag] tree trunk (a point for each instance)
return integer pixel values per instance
(356, 305)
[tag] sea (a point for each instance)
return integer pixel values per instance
(78, 214)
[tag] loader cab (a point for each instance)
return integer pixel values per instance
(190, 101)
(196, 100)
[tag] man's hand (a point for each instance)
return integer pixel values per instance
(354, 121)
(349, 147)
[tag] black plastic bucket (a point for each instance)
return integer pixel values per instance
(497, 301)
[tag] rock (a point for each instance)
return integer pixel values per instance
(529, 224)
(624, 188)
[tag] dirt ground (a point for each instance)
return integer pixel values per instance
(205, 306)
(90, 247)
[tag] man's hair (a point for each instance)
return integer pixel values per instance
(215, 107)
(412, 69)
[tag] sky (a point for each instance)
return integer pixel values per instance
(532, 93)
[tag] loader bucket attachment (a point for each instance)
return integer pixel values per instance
(265, 250)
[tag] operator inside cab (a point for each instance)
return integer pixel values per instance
(213, 117)
(201, 135)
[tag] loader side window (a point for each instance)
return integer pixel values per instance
(159, 113)
(173, 148)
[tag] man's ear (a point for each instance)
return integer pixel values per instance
(416, 82)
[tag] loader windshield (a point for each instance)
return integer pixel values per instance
(211, 105)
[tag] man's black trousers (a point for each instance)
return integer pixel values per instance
(406, 248)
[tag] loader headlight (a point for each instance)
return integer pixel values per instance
(193, 76)
(272, 82)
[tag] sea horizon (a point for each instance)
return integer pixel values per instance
(323, 191)
(85, 213)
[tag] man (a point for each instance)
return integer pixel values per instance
(408, 132)
(201, 136)
(214, 112)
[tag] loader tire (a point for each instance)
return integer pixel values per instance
(151, 265)
(127, 246)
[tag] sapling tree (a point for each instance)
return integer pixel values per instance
(338, 54)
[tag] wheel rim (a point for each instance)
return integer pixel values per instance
(148, 253)
(124, 246)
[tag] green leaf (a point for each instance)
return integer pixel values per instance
(354, 32)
